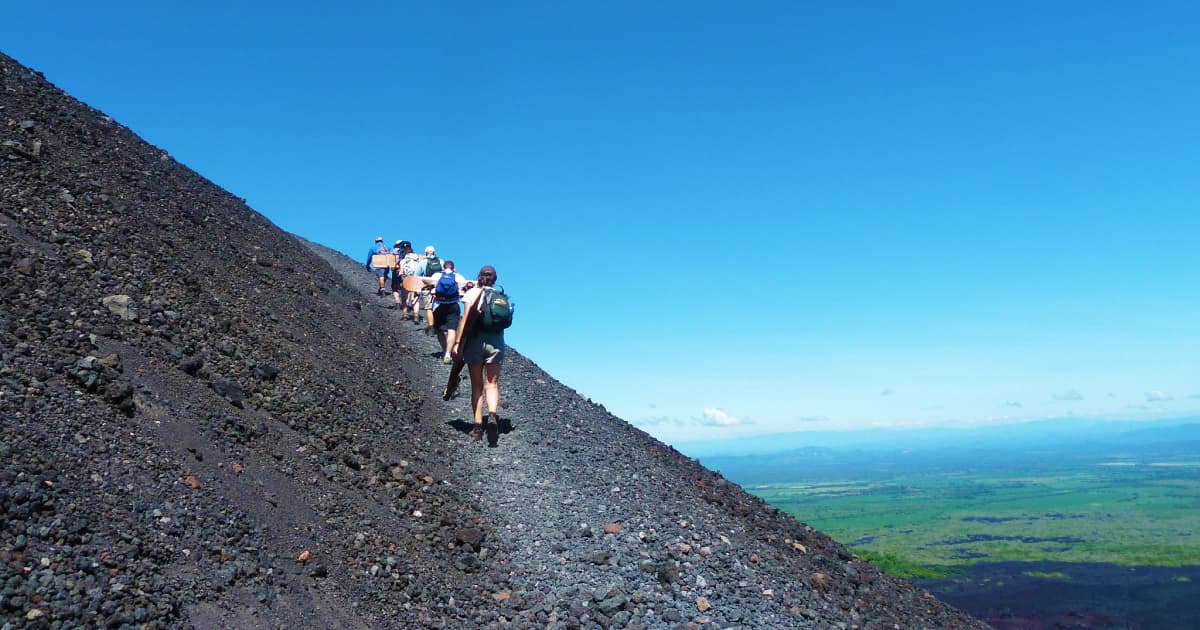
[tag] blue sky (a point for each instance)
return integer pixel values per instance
(722, 219)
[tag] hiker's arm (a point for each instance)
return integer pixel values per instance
(462, 322)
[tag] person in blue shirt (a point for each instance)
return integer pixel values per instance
(380, 272)
(448, 286)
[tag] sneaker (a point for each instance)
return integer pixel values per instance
(477, 432)
(447, 359)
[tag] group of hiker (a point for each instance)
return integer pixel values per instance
(442, 292)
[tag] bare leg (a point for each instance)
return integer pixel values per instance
(491, 387)
(476, 372)
(450, 335)
(414, 305)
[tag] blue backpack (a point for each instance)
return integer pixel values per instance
(446, 289)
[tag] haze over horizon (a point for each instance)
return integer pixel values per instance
(720, 221)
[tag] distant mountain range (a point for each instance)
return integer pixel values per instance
(1035, 434)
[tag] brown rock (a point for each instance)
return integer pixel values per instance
(192, 481)
(612, 529)
(469, 536)
(819, 581)
(304, 556)
(702, 603)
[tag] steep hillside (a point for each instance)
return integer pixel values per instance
(208, 422)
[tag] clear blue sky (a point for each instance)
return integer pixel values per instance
(722, 219)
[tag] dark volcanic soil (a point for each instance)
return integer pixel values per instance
(1085, 596)
(209, 423)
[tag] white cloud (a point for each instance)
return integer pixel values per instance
(1156, 395)
(1012, 403)
(657, 421)
(1070, 395)
(718, 418)
(712, 417)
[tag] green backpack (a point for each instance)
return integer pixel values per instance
(497, 311)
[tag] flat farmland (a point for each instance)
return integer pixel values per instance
(927, 523)
(1096, 535)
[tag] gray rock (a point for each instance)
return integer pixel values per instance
(122, 306)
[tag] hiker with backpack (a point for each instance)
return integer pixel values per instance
(448, 286)
(483, 347)
(397, 277)
(430, 265)
(410, 265)
(380, 272)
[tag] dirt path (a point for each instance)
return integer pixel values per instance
(588, 520)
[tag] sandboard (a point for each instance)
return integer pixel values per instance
(466, 328)
(384, 261)
(414, 283)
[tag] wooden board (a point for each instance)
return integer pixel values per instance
(466, 328)
(414, 283)
(384, 261)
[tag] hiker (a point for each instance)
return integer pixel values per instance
(483, 350)
(380, 272)
(430, 264)
(397, 277)
(410, 264)
(448, 286)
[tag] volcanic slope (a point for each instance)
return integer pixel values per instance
(210, 423)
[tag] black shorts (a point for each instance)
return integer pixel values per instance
(397, 283)
(445, 316)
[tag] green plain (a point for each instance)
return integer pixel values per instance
(925, 523)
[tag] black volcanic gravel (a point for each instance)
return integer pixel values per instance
(210, 423)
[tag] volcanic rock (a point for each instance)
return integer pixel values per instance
(233, 341)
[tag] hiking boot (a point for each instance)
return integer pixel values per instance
(477, 432)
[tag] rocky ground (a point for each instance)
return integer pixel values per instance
(210, 423)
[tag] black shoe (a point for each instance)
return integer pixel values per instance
(477, 432)
(492, 428)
